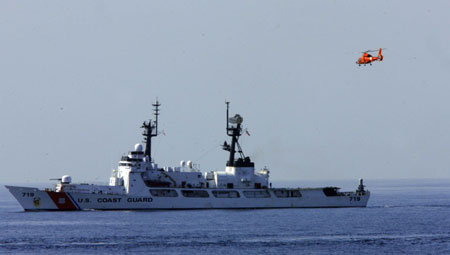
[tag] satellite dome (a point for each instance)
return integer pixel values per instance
(138, 147)
(66, 179)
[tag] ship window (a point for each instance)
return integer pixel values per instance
(332, 192)
(230, 185)
(257, 194)
(225, 194)
(287, 193)
(195, 193)
(164, 193)
(156, 183)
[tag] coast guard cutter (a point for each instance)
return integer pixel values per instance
(139, 183)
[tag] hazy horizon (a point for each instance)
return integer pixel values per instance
(77, 79)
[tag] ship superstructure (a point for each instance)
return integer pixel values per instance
(139, 183)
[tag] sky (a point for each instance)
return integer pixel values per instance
(77, 79)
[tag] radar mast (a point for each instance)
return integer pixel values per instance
(151, 130)
(234, 129)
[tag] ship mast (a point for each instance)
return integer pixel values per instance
(151, 130)
(234, 130)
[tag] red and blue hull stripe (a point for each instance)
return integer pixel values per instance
(64, 201)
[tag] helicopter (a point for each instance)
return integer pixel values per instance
(366, 58)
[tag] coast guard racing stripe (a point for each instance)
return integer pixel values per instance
(62, 201)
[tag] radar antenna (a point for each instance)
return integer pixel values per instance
(151, 130)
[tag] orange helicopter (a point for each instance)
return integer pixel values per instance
(366, 58)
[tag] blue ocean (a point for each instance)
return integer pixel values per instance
(402, 217)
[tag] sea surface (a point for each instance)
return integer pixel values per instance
(402, 217)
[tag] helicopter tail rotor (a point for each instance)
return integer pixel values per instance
(379, 55)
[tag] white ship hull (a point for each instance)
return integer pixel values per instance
(140, 184)
(33, 199)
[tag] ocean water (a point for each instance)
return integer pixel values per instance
(402, 217)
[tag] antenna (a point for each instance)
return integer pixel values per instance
(228, 108)
(151, 130)
(156, 113)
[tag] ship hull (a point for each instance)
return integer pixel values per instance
(33, 199)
